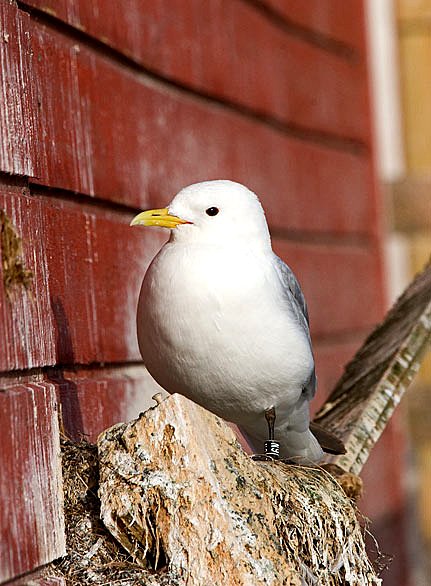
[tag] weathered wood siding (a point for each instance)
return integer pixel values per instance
(108, 107)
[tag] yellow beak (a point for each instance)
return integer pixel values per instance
(159, 217)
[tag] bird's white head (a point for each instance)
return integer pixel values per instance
(212, 212)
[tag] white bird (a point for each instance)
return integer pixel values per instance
(223, 321)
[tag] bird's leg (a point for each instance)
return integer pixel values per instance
(270, 419)
(272, 447)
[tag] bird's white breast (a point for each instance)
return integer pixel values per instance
(215, 325)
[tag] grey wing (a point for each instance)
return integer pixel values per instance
(293, 289)
(299, 307)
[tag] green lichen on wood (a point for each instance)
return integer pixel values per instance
(15, 273)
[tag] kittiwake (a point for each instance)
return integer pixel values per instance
(222, 319)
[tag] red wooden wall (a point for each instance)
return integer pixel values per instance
(108, 107)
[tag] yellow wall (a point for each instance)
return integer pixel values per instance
(412, 212)
(414, 21)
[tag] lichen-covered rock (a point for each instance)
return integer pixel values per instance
(179, 493)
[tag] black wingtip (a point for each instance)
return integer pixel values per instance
(329, 442)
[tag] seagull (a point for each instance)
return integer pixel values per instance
(223, 321)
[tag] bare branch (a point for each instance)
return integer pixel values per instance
(373, 383)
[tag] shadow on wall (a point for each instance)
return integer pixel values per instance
(71, 416)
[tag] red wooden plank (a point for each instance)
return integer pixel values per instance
(336, 19)
(31, 514)
(231, 51)
(88, 265)
(330, 358)
(26, 328)
(102, 130)
(303, 189)
(16, 93)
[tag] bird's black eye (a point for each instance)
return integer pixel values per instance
(212, 211)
